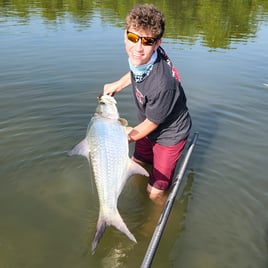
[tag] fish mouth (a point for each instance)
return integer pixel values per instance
(99, 99)
(106, 99)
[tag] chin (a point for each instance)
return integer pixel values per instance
(137, 62)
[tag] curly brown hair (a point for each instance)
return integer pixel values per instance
(148, 18)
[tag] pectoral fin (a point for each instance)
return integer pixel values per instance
(134, 168)
(81, 148)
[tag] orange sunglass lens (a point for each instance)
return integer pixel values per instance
(133, 37)
(146, 41)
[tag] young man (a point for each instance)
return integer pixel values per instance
(159, 97)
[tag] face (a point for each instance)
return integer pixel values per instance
(137, 52)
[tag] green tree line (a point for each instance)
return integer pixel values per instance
(218, 23)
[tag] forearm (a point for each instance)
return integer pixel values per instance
(142, 130)
(115, 87)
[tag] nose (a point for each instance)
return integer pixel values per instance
(139, 45)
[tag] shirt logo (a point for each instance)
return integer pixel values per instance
(139, 96)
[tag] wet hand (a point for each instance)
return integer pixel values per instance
(110, 89)
(128, 130)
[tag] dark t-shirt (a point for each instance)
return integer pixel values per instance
(161, 99)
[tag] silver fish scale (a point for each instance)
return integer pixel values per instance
(109, 156)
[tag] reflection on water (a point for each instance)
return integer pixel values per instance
(55, 58)
(220, 23)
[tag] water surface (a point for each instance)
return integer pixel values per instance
(55, 58)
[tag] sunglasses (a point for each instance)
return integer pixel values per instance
(146, 41)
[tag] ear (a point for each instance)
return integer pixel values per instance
(157, 44)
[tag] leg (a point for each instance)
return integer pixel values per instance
(164, 164)
(143, 151)
(156, 195)
(143, 155)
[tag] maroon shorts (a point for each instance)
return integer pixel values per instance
(162, 158)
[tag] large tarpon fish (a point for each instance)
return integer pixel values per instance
(106, 148)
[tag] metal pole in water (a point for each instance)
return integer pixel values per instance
(151, 250)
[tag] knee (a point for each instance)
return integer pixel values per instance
(156, 195)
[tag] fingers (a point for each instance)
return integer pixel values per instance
(109, 89)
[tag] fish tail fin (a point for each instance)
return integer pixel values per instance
(120, 225)
(101, 226)
(117, 222)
